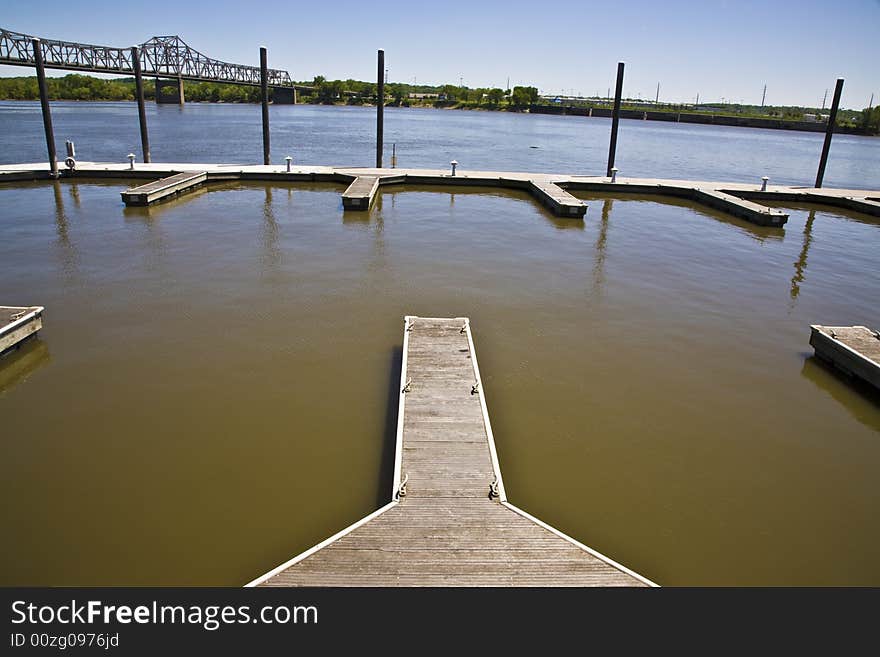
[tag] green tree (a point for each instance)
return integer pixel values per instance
(524, 96)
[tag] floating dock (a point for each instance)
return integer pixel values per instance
(741, 200)
(166, 188)
(855, 350)
(18, 323)
(448, 521)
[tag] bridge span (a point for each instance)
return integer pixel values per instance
(162, 57)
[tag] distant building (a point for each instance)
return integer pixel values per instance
(413, 96)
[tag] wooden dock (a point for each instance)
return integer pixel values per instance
(741, 200)
(448, 522)
(361, 193)
(17, 323)
(855, 350)
(165, 188)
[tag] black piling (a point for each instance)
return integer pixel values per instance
(264, 89)
(139, 96)
(615, 117)
(829, 131)
(380, 109)
(44, 104)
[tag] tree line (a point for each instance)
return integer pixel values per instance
(356, 92)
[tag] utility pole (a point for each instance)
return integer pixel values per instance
(871, 102)
(824, 99)
(764, 96)
(698, 99)
(657, 97)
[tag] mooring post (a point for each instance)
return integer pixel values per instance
(139, 95)
(380, 109)
(829, 131)
(615, 117)
(264, 89)
(44, 103)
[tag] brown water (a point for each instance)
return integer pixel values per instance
(213, 391)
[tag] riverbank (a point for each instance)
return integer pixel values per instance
(85, 88)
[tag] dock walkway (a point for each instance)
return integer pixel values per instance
(448, 522)
(552, 190)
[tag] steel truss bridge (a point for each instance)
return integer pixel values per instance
(161, 57)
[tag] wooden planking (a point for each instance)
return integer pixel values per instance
(560, 202)
(446, 531)
(361, 193)
(853, 349)
(752, 212)
(17, 323)
(166, 187)
(463, 542)
(441, 375)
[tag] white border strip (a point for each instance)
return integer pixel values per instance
(502, 495)
(401, 402)
(21, 321)
(598, 555)
(319, 546)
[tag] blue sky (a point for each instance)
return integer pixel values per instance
(719, 49)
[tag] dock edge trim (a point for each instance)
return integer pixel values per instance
(611, 562)
(496, 466)
(35, 311)
(327, 541)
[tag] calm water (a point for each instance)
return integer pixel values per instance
(214, 388)
(432, 138)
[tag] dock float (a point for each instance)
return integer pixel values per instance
(164, 188)
(855, 350)
(742, 200)
(18, 323)
(559, 201)
(733, 205)
(361, 193)
(448, 521)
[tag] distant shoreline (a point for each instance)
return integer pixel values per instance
(669, 116)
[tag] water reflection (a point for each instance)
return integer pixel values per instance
(69, 256)
(74, 194)
(150, 212)
(800, 265)
(17, 365)
(862, 407)
(759, 233)
(601, 239)
(271, 252)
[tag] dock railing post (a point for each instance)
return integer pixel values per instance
(380, 109)
(44, 104)
(615, 117)
(139, 96)
(264, 93)
(829, 131)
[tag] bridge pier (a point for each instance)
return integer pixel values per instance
(169, 92)
(283, 96)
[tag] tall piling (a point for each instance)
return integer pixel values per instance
(380, 109)
(829, 131)
(264, 92)
(139, 96)
(44, 104)
(615, 117)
